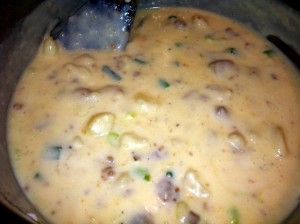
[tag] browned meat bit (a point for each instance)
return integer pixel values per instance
(135, 156)
(224, 68)
(82, 91)
(121, 60)
(231, 33)
(185, 215)
(274, 76)
(111, 89)
(107, 173)
(166, 190)
(18, 106)
(159, 154)
(192, 218)
(143, 218)
(110, 159)
(179, 23)
(221, 112)
(254, 71)
(199, 21)
(52, 75)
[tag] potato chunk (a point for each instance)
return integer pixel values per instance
(100, 124)
(145, 103)
(192, 185)
(85, 60)
(131, 141)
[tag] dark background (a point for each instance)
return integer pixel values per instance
(10, 13)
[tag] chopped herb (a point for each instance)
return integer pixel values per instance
(270, 53)
(113, 138)
(169, 174)
(140, 61)
(178, 44)
(143, 173)
(38, 176)
(110, 73)
(164, 84)
(147, 177)
(131, 115)
(53, 153)
(232, 50)
(234, 216)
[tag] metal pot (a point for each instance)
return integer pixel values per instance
(16, 51)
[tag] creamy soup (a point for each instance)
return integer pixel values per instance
(196, 122)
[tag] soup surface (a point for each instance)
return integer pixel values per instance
(196, 122)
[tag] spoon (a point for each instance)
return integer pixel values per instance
(97, 25)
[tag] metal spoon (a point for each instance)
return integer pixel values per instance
(97, 25)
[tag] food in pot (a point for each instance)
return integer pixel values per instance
(196, 122)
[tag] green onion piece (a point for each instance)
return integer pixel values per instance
(38, 176)
(143, 173)
(234, 216)
(147, 177)
(131, 115)
(270, 53)
(113, 138)
(110, 73)
(178, 44)
(140, 61)
(53, 153)
(163, 83)
(232, 50)
(169, 174)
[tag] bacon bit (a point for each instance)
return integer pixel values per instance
(231, 33)
(179, 23)
(18, 106)
(167, 191)
(110, 159)
(221, 112)
(274, 76)
(107, 173)
(136, 74)
(83, 91)
(135, 156)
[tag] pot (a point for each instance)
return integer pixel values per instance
(271, 19)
